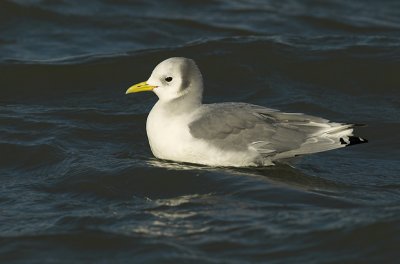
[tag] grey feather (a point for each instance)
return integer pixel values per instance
(239, 126)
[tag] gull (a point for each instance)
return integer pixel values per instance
(181, 128)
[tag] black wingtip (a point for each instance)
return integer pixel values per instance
(352, 140)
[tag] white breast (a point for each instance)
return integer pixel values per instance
(169, 135)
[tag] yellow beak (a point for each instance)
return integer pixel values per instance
(140, 87)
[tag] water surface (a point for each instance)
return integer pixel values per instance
(78, 180)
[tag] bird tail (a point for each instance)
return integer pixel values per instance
(336, 136)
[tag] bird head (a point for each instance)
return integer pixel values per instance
(172, 79)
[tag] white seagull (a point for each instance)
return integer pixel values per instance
(181, 128)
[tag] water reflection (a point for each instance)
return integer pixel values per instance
(172, 217)
(281, 173)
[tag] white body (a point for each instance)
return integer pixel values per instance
(170, 139)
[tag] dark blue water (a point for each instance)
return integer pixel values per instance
(79, 183)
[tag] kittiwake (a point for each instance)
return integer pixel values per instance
(181, 128)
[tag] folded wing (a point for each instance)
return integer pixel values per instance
(238, 127)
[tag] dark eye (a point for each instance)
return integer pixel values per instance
(168, 79)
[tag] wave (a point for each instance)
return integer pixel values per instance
(376, 46)
(287, 58)
(62, 33)
(30, 156)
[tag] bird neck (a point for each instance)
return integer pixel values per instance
(184, 104)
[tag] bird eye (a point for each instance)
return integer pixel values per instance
(168, 79)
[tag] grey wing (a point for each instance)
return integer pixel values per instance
(236, 126)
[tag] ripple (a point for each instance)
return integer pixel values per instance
(26, 157)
